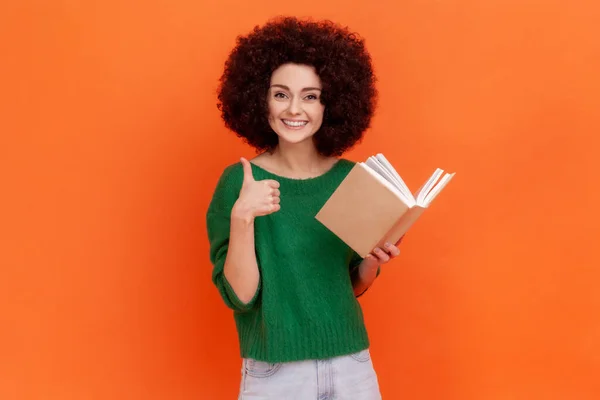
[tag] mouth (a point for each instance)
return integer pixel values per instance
(294, 124)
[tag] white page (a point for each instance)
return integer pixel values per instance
(377, 166)
(384, 171)
(438, 188)
(388, 165)
(389, 172)
(385, 164)
(428, 186)
(409, 201)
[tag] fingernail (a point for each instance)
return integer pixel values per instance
(387, 244)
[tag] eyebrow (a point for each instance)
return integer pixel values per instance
(306, 89)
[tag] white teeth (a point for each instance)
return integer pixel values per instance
(295, 123)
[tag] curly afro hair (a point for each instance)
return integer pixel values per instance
(340, 60)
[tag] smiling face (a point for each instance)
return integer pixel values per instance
(295, 109)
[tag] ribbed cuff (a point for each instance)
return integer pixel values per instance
(239, 305)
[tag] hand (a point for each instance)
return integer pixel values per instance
(380, 256)
(368, 268)
(386, 254)
(257, 198)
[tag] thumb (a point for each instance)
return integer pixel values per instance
(248, 177)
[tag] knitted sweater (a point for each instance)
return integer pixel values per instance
(304, 306)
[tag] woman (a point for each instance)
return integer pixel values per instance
(301, 93)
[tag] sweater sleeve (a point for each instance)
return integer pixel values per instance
(218, 227)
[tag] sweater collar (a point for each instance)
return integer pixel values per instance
(306, 185)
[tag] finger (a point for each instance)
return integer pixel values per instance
(275, 200)
(275, 192)
(382, 255)
(392, 250)
(271, 183)
(248, 177)
(271, 208)
(267, 209)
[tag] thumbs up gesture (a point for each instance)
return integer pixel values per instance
(257, 198)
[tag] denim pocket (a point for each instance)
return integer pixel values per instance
(260, 369)
(361, 356)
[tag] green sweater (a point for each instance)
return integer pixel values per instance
(304, 306)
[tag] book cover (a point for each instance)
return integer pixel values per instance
(372, 205)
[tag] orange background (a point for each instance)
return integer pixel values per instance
(111, 144)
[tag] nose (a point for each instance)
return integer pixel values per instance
(294, 107)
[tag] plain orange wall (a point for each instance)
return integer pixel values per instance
(111, 144)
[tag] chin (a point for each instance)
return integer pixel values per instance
(293, 136)
(293, 139)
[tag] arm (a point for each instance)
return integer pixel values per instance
(369, 268)
(236, 273)
(364, 275)
(241, 267)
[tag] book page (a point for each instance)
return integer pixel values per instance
(438, 188)
(382, 166)
(378, 167)
(384, 161)
(409, 201)
(426, 188)
(390, 172)
(383, 170)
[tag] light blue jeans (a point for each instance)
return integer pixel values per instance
(350, 377)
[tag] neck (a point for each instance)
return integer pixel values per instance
(300, 157)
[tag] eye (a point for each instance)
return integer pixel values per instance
(311, 97)
(280, 95)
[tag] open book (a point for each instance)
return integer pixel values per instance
(373, 205)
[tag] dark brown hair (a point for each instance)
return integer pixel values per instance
(340, 60)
